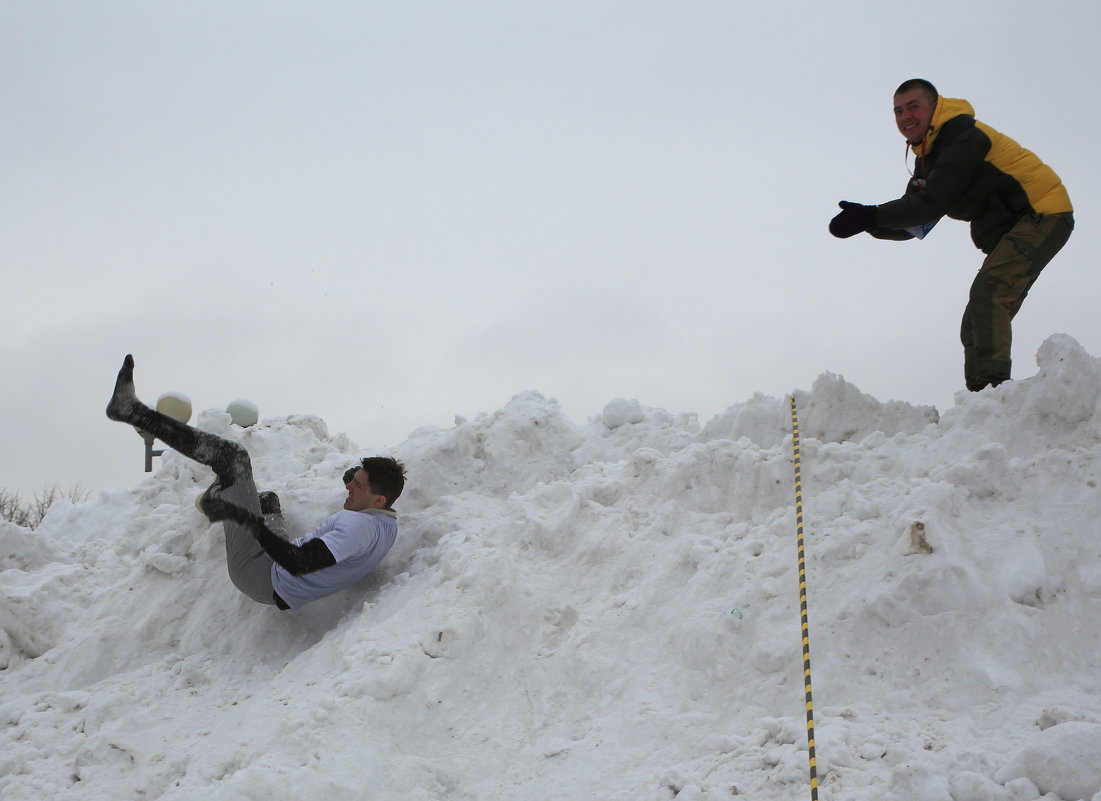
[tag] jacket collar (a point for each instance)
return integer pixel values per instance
(948, 108)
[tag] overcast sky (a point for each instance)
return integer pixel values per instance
(389, 214)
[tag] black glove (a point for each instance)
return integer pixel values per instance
(854, 219)
(351, 471)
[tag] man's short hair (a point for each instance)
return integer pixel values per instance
(919, 83)
(386, 476)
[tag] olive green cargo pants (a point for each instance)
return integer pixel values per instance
(998, 291)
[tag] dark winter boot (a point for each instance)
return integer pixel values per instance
(269, 504)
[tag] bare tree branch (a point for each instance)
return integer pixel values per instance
(30, 514)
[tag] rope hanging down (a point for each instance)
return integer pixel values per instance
(803, 599)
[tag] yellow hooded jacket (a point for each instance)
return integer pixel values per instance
(966, 170)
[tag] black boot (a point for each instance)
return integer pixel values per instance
(269, 504)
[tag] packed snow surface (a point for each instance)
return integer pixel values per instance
(607, 610)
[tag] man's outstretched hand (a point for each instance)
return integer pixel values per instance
(217, 509)
(854, 219)
(295, 559)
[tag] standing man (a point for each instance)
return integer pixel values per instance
(1019, 211)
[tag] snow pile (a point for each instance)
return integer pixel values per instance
(605, 611)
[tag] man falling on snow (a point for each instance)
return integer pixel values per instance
(340, 552)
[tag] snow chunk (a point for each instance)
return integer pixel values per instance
(1061, 760)
(1070, 380)
(620, 411)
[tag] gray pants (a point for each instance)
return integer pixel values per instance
(249, 565)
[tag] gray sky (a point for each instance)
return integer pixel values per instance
(387, 214)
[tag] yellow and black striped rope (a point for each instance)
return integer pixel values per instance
(803, 599)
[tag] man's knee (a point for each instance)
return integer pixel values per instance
(980, 303)
(231, 463)
(241, 465)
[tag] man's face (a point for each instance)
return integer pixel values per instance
(913, 114)
(360, 494)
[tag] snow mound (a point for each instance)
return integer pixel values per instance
(598, 610)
